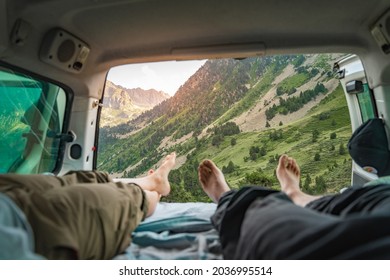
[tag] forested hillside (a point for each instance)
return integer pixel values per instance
(242, 114)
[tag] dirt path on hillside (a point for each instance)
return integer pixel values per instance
(292, 117)
(255, 119)
(167, 142)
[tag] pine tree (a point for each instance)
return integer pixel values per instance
(306, 184)
(263, 151)
(320, 184)
(315, 135)
(342, 149)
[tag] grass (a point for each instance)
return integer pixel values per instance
(322, 62)
(297, 142)
(293, 82)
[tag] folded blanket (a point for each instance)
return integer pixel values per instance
(176, 231)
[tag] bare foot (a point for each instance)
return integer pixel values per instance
(212, 180)
(156, 180)
(160, 176)
(289, 174)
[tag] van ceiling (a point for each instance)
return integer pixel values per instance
(126, 31)
(121, 28)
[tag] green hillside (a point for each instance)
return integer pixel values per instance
(328, 173)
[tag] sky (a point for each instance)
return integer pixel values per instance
(165, 76)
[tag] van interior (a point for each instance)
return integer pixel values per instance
(273, 77)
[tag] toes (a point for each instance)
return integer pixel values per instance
(203, 170)
(297, 170)
(289, 163)
(294, 166)
(171, 156)
(201, 167)
(206, 171)
(207, 164)
(283, 160)
(203, 177)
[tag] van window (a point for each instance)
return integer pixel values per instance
(31, 122)
(365, 101)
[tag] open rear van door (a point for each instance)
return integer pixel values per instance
(361, 104)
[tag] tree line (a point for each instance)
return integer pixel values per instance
(294, 103)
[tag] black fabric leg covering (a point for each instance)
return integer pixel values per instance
(230, 214)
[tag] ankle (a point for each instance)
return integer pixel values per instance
(293, 194)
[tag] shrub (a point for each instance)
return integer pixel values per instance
(342, 149)
(258, 178)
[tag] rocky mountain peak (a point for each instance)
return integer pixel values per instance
(122, 104)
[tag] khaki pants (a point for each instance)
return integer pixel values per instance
(80, 215)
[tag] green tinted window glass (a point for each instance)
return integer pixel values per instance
(31, 119)
(365, 104)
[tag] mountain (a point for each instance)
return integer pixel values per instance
(122, 104)
(212, 90)
(242, 114)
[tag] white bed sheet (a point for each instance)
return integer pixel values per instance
(176, 231)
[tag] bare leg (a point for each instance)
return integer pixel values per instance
(289, 174)
(156, 180)
(153, 198)
(212, 180)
